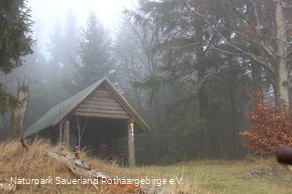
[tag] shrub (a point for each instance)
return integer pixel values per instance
(268, 128)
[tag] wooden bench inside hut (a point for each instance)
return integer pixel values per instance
(94, 118)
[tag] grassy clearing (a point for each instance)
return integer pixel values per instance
(263, 176)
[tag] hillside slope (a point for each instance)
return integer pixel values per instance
(46, 175)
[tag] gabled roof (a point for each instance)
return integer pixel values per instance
(59, 111)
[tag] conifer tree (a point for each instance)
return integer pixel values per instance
(94, 53)
(15, 43)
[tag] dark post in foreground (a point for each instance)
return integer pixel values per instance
(284, 155)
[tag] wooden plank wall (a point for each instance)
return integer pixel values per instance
(100, 103)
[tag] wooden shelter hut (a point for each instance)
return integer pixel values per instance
(96, 117)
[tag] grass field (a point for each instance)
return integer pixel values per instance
(234, 177)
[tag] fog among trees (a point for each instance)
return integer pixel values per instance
(187, 67)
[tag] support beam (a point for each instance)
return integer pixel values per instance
(131, 145)
(67, 133)
(60, 132)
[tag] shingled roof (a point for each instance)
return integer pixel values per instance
(61, 110)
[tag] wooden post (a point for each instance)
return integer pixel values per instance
(60, 133)
(131, 145)
(67, 133)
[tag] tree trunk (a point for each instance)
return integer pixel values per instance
(82, 170)
(233, 105)
(281, 89)
(221, 130)
(203, 97)
(256, 75)
(234, 119)
(18, 114)
(205, 133)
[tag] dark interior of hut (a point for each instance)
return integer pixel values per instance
(99, 136)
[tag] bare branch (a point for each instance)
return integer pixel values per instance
(253, 56)
(228, 52)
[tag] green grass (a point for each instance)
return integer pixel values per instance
(262, 176)
(218, 176)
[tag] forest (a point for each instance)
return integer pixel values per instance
(212, 78)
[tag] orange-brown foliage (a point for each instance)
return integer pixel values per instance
(269, 129)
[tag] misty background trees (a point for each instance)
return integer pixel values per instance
(185, 66)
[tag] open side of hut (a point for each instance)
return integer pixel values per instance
(95, 117)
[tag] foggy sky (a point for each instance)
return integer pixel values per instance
(45, 13)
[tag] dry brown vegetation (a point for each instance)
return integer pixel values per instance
(262, 176)
(268, 129)
(15, 161)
